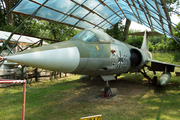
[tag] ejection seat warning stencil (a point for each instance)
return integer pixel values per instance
(95, 117)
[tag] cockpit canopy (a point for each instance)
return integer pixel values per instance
(93, 35)
(86, 36)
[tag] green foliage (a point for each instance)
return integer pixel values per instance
(156, 43)
(37, 28)
(151, 47)
(172, 44)
(116, 31)
(40, 28)
(169, 57)
(135, 41)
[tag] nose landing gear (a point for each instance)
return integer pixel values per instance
(107, 91)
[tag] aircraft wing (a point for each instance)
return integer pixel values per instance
(160, 66)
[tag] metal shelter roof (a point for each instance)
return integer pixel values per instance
(100, 14)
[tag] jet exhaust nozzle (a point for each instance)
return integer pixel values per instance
(164, 79)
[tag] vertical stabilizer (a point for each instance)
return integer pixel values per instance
(145, 42)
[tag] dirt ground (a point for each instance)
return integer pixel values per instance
(133, 100)
(124, 89)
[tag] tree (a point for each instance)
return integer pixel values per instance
(135, 41)
(37, 28)
(9, 6)
(116, 31)
(172, 44)
(173, 5)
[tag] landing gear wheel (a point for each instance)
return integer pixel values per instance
(115, 78)
(107, 92)
(154, 80)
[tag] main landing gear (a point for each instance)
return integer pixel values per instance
(107, 91)
(152, 81)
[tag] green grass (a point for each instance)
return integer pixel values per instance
(65, 99)
(170, 57)
(39, 96)
(70, 99)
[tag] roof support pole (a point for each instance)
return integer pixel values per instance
(132, 10)
(120, 8)
(22, 72)
(136, 10)
(167, 15)
(33, 14)
(169, 23)
(151, 11)
(84, 17)
(148, 15)
(83, 6)
(65, 14)
(150, 24)
(7, 41)
(109, 8)
(160, 16)
(73, 26)
(105, 20)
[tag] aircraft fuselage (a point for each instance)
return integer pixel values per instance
(91, 52)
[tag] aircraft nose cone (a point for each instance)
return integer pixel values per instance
(62, 59)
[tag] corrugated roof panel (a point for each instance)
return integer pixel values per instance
(70, 20)
(96, 19)
(49, 14)
(84, 24)
(114, 20)
(100, 13)
(26, 7)
(65, 7)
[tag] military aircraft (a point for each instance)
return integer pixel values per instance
(93, 52)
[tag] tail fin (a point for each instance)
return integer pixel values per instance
(145, 42)
(146, 34)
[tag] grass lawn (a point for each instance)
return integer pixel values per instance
(70, 99)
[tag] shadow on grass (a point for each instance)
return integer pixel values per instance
(163, 102)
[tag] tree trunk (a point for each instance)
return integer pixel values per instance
(54, 34)
(126, 29)
(116, 31)
(9, 6)
(1, 15)
(2, 10)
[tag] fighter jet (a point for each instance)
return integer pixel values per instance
(93, 52)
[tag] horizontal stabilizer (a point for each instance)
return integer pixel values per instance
(148, 33)
(160, 66)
